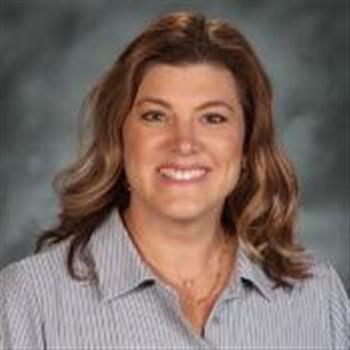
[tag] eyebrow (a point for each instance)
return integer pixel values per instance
(212, 103)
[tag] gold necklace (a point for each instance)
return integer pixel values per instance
(186, 286)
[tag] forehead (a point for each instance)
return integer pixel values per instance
(189, 82)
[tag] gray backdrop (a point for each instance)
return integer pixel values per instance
(53, 51)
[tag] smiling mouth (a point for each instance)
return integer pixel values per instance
(183, 175)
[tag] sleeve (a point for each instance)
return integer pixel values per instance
(20, 321)
(339, 307)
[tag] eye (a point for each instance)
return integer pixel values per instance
(153, 116)
(214, 118)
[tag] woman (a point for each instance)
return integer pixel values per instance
(177, 226)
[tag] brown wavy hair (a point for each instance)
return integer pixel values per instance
(261, 210)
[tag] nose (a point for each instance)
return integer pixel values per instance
(184, 138)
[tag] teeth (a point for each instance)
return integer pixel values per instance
(183, 175)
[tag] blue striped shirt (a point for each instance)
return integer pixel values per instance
(130, 308)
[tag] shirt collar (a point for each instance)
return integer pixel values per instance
(120, 268)
(247, 270)
(118, 265)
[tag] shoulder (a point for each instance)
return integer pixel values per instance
(328, 281)
(26, 287)
(325, 294)
(322, 293)
(325, 280)
(36, 270)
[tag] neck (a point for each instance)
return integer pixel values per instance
(184, 248)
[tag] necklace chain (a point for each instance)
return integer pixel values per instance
(186, 286)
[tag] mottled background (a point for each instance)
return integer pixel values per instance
(53, 51)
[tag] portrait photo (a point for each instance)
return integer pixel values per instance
(175, 174)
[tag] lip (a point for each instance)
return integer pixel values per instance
(183, 167)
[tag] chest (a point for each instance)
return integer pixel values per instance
(151, 318)
(196, 315)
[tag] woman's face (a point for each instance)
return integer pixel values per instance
(183, 141)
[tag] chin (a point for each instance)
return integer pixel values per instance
(185, 211)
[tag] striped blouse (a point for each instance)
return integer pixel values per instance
(128, 307)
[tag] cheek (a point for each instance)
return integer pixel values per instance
(229, 157)
(139, 153)
(131, 153)
(229, 148)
